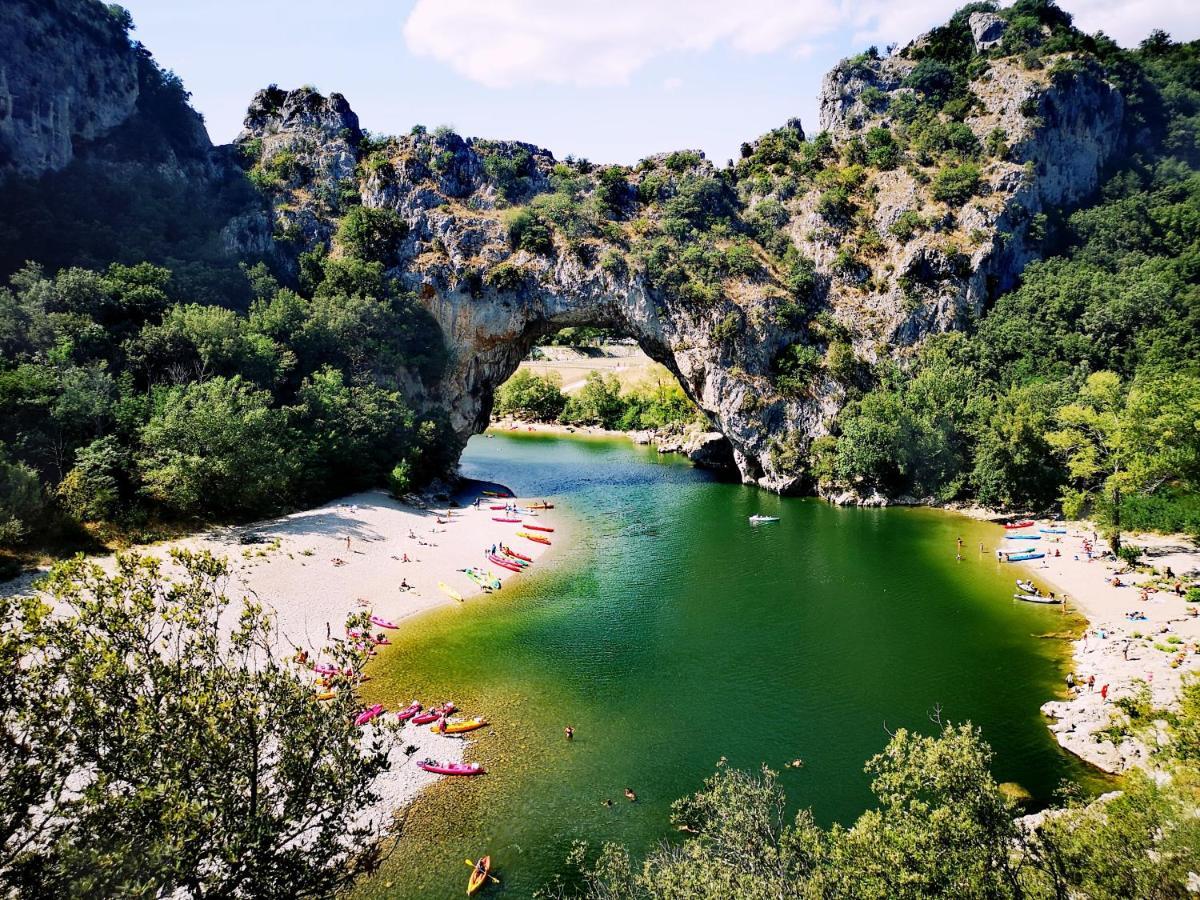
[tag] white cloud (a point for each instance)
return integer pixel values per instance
(672, 84)
(501, 43)
(588, 42)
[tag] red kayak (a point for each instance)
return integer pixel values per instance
(515, 555)
(1024, 524)
(434, 714)
(432, 765)
(498, 519)
(538, 528)
(407, 713)
(501, 506)
(503, 563)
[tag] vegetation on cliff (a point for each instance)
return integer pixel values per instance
(657, 403)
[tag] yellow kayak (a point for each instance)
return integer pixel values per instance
(328, 695)
(459, 727)
(449, 590)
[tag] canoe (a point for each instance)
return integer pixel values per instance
(408, 712)
(504, 563)
(510, 521)
(1053, 530)
(382, 622)
(756, 519)
(479, 875)
(460, 727)
(1035, 598)
(434, 713)
(533, 537)
(1022, 537)
(432, 765)
(515, 555)
(1023, 557)
(538, 527)
(368, 714)
(449, 591)
(1022, 524)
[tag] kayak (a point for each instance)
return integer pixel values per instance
(434, 713)
(500, 506)
(460, 727)
(479, 875)
(382, 622)
(510, 521)
(1027, 587)
(541, 506)
(1053, 530)
(1023, 557)
(368, 714)
(754, 520)
(432, 765)
(408, 712)
(449, 591)
(533, 537)
(495, 494)
(515, 555)
(1022, 524)
(328, 695)
(1036, 598)
(538, 528)
(485, 580)
(503, 563)
(1022, 537)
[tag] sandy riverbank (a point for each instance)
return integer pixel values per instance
(1116, 651)
(314, 568)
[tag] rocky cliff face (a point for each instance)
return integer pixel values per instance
(67, 74)
(895, 264)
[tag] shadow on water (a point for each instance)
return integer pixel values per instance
(672, 633)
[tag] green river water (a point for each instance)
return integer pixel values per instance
(670, 633)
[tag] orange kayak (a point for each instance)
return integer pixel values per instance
(537, 527)
(459, 727)
(479, 875)
(533, 537)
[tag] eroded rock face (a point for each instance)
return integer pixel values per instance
(987, 30)
(67, 74)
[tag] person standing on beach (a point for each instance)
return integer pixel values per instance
(1104, 694)
(1091, 683)
(347, 542)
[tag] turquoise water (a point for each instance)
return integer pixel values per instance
(670, 633)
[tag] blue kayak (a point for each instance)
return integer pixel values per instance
(1022, 557)
(1022, 537)
(1053, 530)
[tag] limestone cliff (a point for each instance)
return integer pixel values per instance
(692, 261)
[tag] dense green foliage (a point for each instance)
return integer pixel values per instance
(130, 405)
(1083, 383)
(656, 403)
(185, 762)
(942, 827)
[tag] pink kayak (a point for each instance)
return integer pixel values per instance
(330, 669)
(501, 506)
(408, 712)
(368, 714)
(382, 622)
(434, 714)
(503, 563)
(431, 765)
(499, 519)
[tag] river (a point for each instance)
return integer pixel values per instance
(671, 633)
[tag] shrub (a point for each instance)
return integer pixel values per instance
(528, 231)
(505, 277)
(530, 396)
(882, 150)
(613, 262)
(400, 479)
(371, 234)
(682, 160)
(906, 225)
(996, 143)
(21, 500)
(794, 368)
(932, 79)
(956, 185)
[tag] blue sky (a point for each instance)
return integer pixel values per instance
(610, 80)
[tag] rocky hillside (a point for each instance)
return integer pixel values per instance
(769, 287)
(773, 287)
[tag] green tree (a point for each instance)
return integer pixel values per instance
(216, 447)
(21, 500)
(146, 754)
(528, 395)
(370, 233)
(598, 402)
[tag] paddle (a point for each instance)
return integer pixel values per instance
(489, 874)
